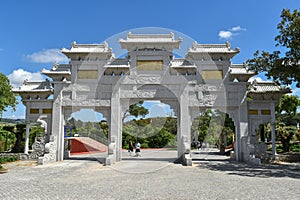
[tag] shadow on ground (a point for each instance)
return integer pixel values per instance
(263, 170)
(96, 159)
(149, 159)
(216, 162)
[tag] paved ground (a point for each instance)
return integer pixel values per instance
(152, 176)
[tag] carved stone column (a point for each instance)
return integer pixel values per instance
(57, 123)
(115, 135)
(273, 128)
(26, 148)
(242, 140)
(194, 113)
(184, 130)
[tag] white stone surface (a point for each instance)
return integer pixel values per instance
(115, 81)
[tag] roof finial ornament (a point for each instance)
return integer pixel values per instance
(105, 44)
(55, 66)
(195, 45)
(172, 35)
(73, 44)
(228, 45)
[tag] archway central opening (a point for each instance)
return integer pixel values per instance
(152, 125)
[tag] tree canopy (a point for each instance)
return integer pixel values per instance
(283, 67)
(136, 110)
(288, 104)
(286, 120)
(7, 98)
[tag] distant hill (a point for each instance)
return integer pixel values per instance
(12, 121)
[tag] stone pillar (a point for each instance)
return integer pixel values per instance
(184, 129)
(27, 138)
(242, 136)
(57, 130)
(273, 128)
(57, 126)
(115, 126)
(194, 114)
(26, 148)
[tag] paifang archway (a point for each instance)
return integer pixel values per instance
(204, 78)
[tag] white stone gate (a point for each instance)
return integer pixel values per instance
(204, 78)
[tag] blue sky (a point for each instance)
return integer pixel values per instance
(32, 32)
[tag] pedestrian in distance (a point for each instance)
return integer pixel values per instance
(138, 149)
(198, 145)
(130, 149)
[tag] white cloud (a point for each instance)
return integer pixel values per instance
(153, 102)
(237, 28)
(47, 56)
(18, 76)
(162, 105)
(225, 34)
(228, 34)
(157, 110)
(88, 115)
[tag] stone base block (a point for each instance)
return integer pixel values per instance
(67, 154)
(109, 160)
(24, 156)
(232, 155)
(187, 161)
(254, 161)
(41, 160)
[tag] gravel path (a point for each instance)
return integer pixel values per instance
(210, 177)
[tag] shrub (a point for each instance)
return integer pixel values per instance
(5, 159)
(295, 147)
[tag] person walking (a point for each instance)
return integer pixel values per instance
(130, 149)
(198, 145)
(138, 149)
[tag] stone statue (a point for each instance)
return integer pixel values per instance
(43, 123)
(38, 146)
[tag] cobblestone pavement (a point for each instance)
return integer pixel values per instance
(152, 176)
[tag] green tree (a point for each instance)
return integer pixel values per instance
(283, 67)
(214, 127)
(136, 110)
(287, 119)
(129, 130)
(288, 104)
(88, 126)
(19, 131)
(161, 139)
(7, 138)
(7, 98)
(104, 127)
(203, 124)
(285, 135)
(171, 125)
(152, 134)
(35, 132)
